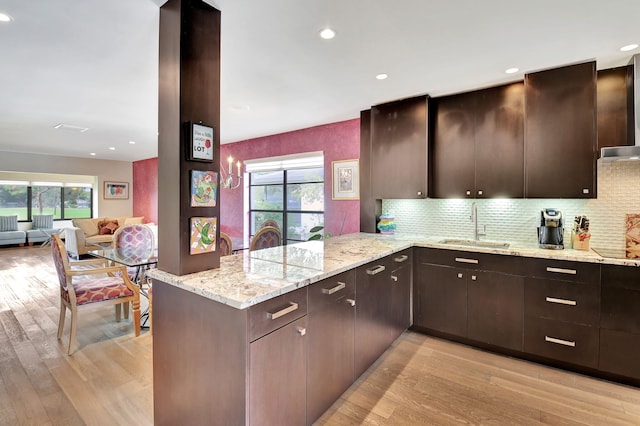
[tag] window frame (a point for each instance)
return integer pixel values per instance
(31, 209)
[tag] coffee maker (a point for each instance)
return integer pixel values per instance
(551, 230)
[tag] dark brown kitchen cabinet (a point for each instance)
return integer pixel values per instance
(398, 163)
(400, 302)
(560, 132)
(562, 308)
(620, 321)
(331, 341)
(477, 144)
(278, 376)
(495, 309)
(615, 107)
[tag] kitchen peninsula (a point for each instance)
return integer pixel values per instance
(247, 343)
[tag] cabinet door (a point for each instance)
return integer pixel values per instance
(560, 132)
(278, 376)
(496, 309)
(373, 292)
(614, 99)
(499, 142)
(400, 303)
(453, 153)
(331, 342)
(399, 149)
(441, 299)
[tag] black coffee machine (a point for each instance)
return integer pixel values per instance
(551, 230)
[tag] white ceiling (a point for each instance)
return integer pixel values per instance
(94, 63)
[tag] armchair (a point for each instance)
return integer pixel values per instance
(102, 284)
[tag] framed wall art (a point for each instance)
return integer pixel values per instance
(203, 235)
(345, 180)
(115, 190)
(204, 188)
(200, 143)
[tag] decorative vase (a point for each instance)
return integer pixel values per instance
(387, 224)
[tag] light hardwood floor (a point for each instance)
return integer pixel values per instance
(419, 381)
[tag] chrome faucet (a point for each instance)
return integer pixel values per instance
(474, 220)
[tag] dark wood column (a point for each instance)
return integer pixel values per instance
(189, 91)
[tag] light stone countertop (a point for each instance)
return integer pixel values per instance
(246, 279)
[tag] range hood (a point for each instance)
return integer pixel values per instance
(629, 152)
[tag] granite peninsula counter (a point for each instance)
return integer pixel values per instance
(249, 278)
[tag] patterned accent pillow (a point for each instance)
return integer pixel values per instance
(8, 223)
(107, 227)
(42, 221)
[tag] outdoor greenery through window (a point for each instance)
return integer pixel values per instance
(63, 201)
(294, 198)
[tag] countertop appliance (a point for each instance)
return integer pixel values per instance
(551, 230)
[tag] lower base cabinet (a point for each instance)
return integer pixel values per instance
(278, 376)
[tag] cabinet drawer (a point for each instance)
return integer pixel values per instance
(402, 258)
(274, 313)
(562, 300)
(332, 290)
(470, 260)
(563, 270)
(572, 343)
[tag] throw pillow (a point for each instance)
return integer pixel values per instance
(8, 223)
(134, 220)
(42, 221)
(107, 227)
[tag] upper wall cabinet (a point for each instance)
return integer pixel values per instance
(615, 100)
(560, 132)
(477, 147)
(399, 149)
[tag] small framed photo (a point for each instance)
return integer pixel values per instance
(115, 190)
(204, 188)
(345, 180)
(203, 235)
(200, 143)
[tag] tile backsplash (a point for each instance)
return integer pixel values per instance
(516, 220)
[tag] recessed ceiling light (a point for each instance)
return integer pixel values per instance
(92, 153)
(4, 17)
(112, 148)
(240, 108)
(382, 76)
(132, 142)
(327, 34)
(628, 47)
(70, 127)
(511, 70)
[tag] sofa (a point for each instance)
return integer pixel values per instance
(86, 234)
(41, 229)
(9, 233)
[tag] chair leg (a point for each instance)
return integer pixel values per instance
(63, 314)
(118, 311)
(136, 317)
(125, 307)
(72, 334)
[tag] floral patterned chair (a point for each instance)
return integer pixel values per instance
(102, 284)
(267, 236)
(225, 245)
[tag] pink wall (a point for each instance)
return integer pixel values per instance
(338, 141)
(145, 189)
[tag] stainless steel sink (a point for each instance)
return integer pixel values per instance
(475, 243)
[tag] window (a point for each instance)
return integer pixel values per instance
(63, 201)
(289, 192)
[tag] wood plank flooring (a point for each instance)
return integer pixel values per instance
(419, 381)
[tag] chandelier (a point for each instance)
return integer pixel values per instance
(229, 181)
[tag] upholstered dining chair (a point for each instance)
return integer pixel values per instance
(225, 245)
(101, 284)
(136, 242)
(270, 222)
(267, 236)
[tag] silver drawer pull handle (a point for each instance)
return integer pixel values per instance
(394, 278)
(301, 330)
(337, 288)
(376, 270)
(275, 315)
(560, 341)
(561, 301)
(400, 259)
(465, 260)
(351, 302)
(473, 278)
(460, 275)
(562, 271)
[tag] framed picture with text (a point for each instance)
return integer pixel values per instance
(200, 143)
